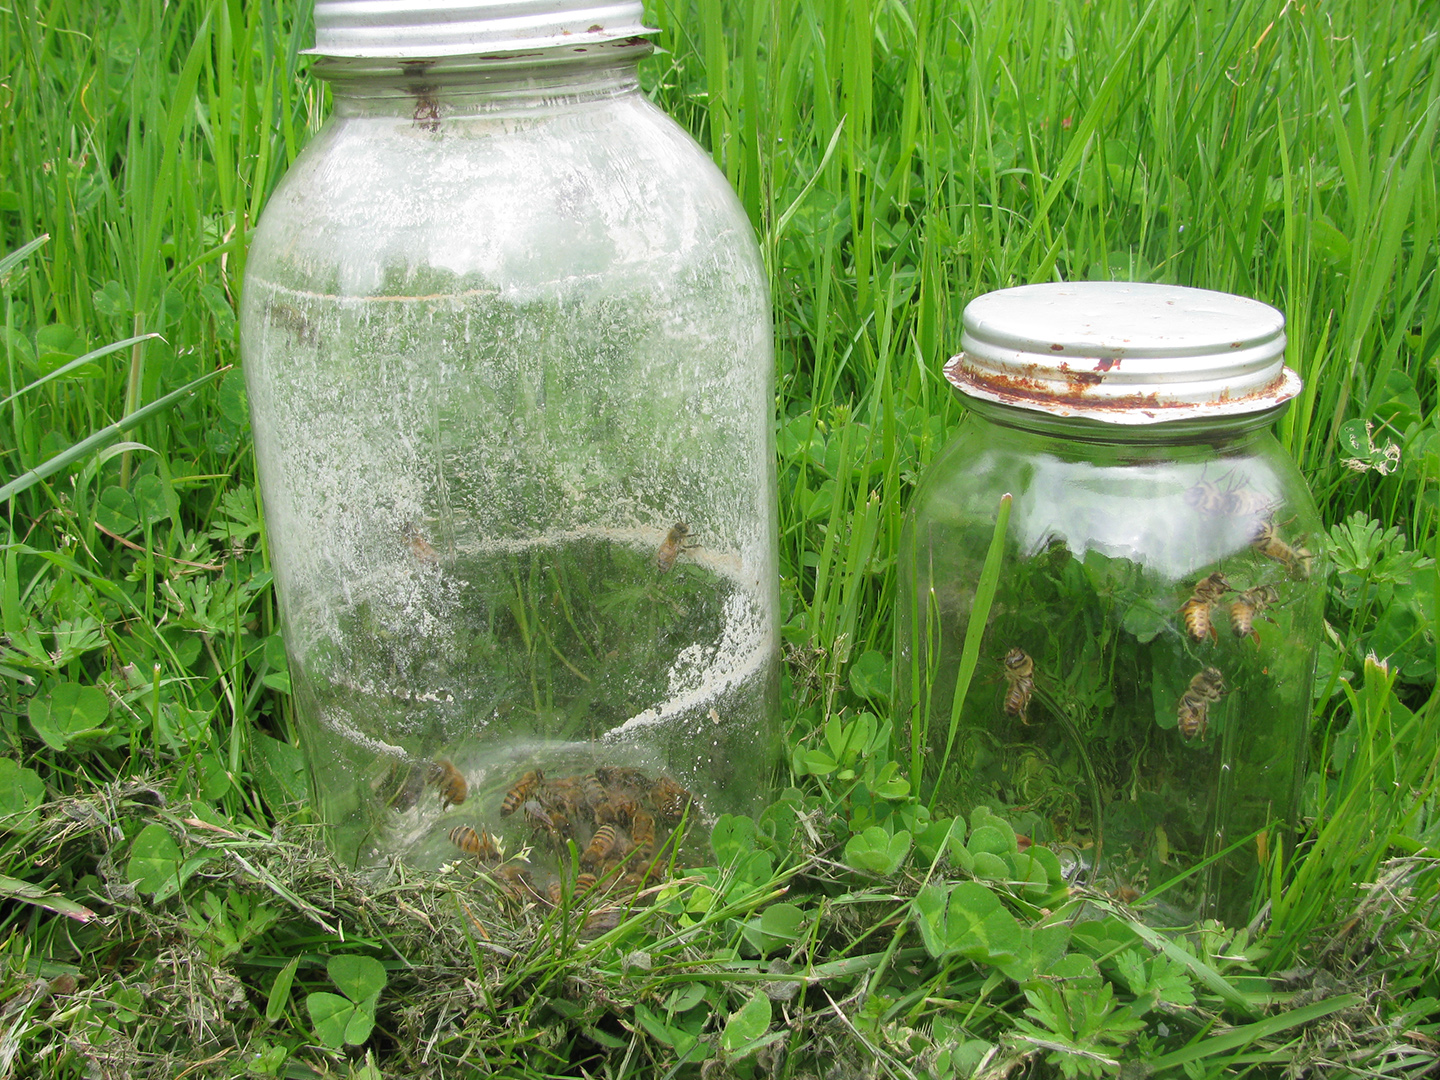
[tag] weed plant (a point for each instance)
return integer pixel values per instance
(167, 910)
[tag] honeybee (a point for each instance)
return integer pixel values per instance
(1206, 497)
(673, 545)
(601, 845)
(1242, 502)
(584, 882)
(1020, 679)
(448, 782)
(477, 842)
(1267, 542)
(514, 879)
(642, 835)
(1195, 612)
(1249, 604)
(565, 795)
(633, 881)
(669, 799)
(594, 791)
(288, 317)
(1126, 894)
(619, 809)
(520, 792)
(427, 112)
(1193, 712)
(617, 777)
(419, 546)
(552, 821)
(1210, 499)
(555, 892)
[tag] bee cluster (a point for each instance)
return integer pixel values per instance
(619, 820)
(1197, 613)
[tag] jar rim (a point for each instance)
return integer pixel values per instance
(1123, 352)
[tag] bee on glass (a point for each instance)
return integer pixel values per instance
(1020, 683)
(593, 791)
(618, 809)
(1295, 560)
(515, 880)
(600, 847)
(291, 319)
(619, 777)
(1192, 714)
(551, 821)
(565, 795)
(1249, 604)
(1242, 502)
(633, 881)
(520, 792)
(669, 799)
(1195, 612)
(477, 842)
(1211, 500)
(642, 836)
(427, 111)
(673, 545)
(1206, 497)
(419, 546)
(448, 782)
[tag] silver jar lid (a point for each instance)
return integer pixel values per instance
(418, 29)
(1123, 353)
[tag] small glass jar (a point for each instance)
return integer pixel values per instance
(506, 335)
(1141, 691)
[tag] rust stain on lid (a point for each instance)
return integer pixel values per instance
(1031, 392)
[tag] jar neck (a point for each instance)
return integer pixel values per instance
(458, 86)
(1211, 431)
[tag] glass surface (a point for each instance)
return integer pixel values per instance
(507, 346)
(1128, 708)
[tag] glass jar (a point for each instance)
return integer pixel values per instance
(507, 342)
(1140, 695)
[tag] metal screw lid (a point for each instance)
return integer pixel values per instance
(404, 29)
(1123, 353)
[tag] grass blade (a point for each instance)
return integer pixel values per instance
(102, 437)
(975, 630)
(95, 354)
(1241, 1037)
(20, 253)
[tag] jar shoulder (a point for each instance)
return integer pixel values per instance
(612, 196)
(618, 161)
(1174, 508)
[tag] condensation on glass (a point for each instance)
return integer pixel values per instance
(507, 343)
(1142, 690)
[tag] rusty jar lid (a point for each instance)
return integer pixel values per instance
(1123, 353)
(420, 29)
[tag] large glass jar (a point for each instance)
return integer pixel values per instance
(1140, 694)
(507, 342)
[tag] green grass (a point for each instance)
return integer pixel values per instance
(897, 159)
